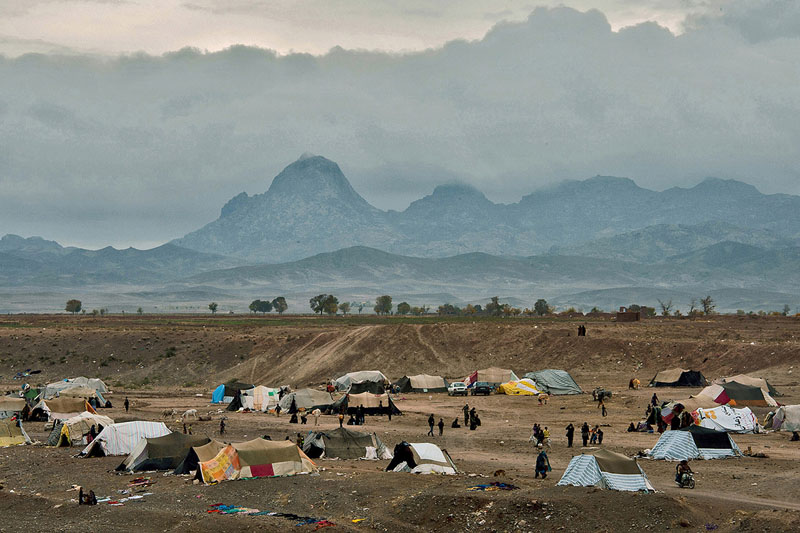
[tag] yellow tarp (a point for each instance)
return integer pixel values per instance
(523, 387)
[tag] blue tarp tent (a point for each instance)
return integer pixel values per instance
(218, 394)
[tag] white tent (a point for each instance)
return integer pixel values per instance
(343, 383)
(121, 439)
(694, 442)
(727, 418)
(425, 457)
(607, 470)
(259, 398)
(53, 389)
(71, 432)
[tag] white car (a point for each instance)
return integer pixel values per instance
(457, 388)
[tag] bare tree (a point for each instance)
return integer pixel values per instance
(708, 305)
(666, 307)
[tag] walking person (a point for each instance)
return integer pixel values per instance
(127, 404)
(599, 436)
(654, 400)
(585, 434)
(466, 413)
(542, 464)
(546, 437)
(603, 410)
(570, 434)
(593, 438)
(221, 426)
(441, 427)
(431, 422)
(316, 413)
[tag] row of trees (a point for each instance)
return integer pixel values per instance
(265, 306)
(330, 305)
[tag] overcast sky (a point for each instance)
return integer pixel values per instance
(117, 134)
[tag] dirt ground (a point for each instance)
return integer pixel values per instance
(747, 494)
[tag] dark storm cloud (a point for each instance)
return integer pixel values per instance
(140, 149)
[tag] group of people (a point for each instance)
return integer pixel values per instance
(92, 433)
(540, 436)
(591, 435)
(471, 417)
(431, 422)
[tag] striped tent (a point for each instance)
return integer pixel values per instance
(122, 438)
(255, 458)
(694, 442)
(607, 470)
(523, 387)
(421, 458)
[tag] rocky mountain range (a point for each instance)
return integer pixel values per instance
(310, 208)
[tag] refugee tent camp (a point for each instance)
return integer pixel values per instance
(523, 387)
(421, 383)
(122, 438)
(694, 442)
(12, 433)
(678, 377)
(258, 398)
(197, 455)
(343, 383)
(60, 408)
(342, 443)
(308, 399)
(226, 392)
(554, 382)
(373, 404)
(255, 458)
(11, 405)
(493, 376)
(726, 418)
(738, 395)
(161, 453)
(744, 379)
(786, 418)
(72, 431)
(54, 389)
(605, 469)
(421, 458)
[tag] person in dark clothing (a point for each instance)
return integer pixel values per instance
(542, 464)
(654, 400)
(603, 410)
(441, 427)
(222, 426)
(389, 411)
(570, 434)
(466, 413)
(127, 404)
(795, 436)
(293, 419)
(431, 422)
(278, 411)
(585, 434)
(632, 428)
(361, 417)
(599, 436)
(303, 418)
(184, 428)
(455, 424)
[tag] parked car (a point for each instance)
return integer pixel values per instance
(481, 387)
(457, 388)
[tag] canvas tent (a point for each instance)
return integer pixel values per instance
(421, 383)
(738, 395)
(372, 387)
(61, 408)
(786, 418)
(607, 470)
(678, 377)
(308, 399)
(726, 418)
(225, 393)
(694, 442)
(11, 405)
(197, 455)
(342, 443)
(373, 404)
(121, 439)
(523, 387)
(343, 383)
(493, 376)
(255, 458)
(555, 382)
(421, 458)
(744, 379)
(258, 398)
(71, 431)
(161, 453)
(12, 433)
(54, 389)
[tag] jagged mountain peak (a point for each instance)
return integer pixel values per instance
(312, 174)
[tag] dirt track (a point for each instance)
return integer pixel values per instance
(746, 494)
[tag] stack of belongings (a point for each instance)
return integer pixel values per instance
(523, 387)
(343, 443)
(255, 458)
(694, 442)
(554, 382)
(73, 430)
(607, 470)
(122, 438)
(161, 453)
(421, 458)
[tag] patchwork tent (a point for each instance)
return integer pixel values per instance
(12, 434)
(343, 383)
(308, 399)
(744, 379)
(786, 418)
(342, 443)
(607, 470)
(161, 453)
(678, 377)
(421, 458)
(493, 376)
(122, 438)
(71, 431)
(736, 394)
(555, 382)
(726, 418)
(258, 398)
(421, 383)
(373, 404)
(255, 458)
(61, 408)
(694, 442)
(197, 455)
(225, 393)
(523, 387)
(11, 405)
(54, 389)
